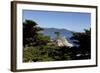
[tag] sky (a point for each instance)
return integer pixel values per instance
(73, 21)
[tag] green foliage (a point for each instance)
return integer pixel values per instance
(39, 47)
(45, 53)
(38, 53)
(84, 40)
(57, 34)
(30, 32)
(42, 40)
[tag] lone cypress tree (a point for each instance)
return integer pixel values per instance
(57, 34)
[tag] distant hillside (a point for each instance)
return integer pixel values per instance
(63, 32)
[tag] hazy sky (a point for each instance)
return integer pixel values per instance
(73, 21)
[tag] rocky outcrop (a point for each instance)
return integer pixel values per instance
(62, 41)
